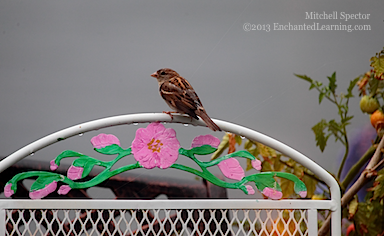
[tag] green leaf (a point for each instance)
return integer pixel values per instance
(321, 138)
(378, 64)
(312, 86)
(69, 153)
(203, 150)
(44, 180)
(238, 140)
(352, 208)
(110, 150)
(87, 163)
(321, 96)
(352, 84)
(248, 144)
(263, 180)
(266, 166)
(332, 82)
(304, 77)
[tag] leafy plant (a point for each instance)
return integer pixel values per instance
(324, 129)
(367, 216)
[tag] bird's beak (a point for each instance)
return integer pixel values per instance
(155, 75)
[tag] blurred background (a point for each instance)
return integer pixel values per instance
(67, 62)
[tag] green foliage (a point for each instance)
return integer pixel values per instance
(378, 186)
(44, 180)
(273, 161)
(87, 163)
(320, 135)
(110, 150)
(377, 63)
(369, 218)
(324, 129)
(203, 150)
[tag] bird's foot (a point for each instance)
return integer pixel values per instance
(170, 113)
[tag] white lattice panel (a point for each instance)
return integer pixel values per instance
(156, 222)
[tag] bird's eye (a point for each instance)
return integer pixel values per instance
(162, 73)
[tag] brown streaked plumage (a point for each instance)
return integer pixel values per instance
(181, 97)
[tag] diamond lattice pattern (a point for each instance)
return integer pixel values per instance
(156, 222)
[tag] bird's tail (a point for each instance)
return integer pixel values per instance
(201, 112)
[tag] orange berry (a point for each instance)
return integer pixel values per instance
(377, 119)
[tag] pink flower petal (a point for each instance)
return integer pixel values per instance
(75, 172)
(205, 140)
(231, 169)
(250, 190)
(256, 164)
(272, 193)
(8, 192)
(303, 193)
(155, 146)
(103, 140)
(38, 194)
(63, 190)
(53, 165)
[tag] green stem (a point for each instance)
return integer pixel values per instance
(29, 174)
(343, 116)
(205, 174)
(102, 176)
(330, 99)
(344, 158)
(121, 155)
(356, 167)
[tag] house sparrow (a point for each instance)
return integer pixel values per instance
(181, 97)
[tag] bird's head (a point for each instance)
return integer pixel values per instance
(164, 74)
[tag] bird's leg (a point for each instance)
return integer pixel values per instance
(170, 113)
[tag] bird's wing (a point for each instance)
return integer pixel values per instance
(180, 95)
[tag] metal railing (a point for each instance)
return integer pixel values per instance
(168, 217)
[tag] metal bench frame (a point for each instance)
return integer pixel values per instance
(312, 206)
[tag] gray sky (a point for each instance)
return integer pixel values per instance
(68, 62)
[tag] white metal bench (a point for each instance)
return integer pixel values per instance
(168, 217)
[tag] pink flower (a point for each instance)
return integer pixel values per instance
(103, 140)
(205, 140)
(250, 190)
(256, 164)
(75, 172)
(8, 192)
(272, 193)
(63, 190)
(303, 193)
(38, 194)
(53, 166)
(231, 169)
(155, 146)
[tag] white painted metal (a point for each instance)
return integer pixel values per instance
(333, 204)
(312, 224)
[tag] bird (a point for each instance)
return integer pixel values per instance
(181, 97)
